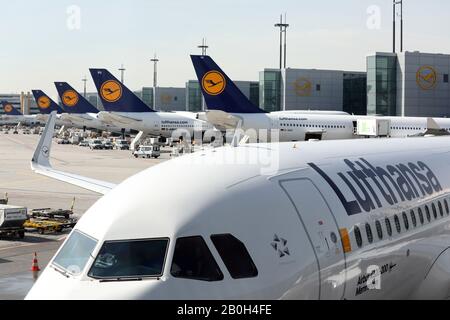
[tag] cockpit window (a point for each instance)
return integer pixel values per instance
(235, 256)
(193, 260)
(75, 254)
(130, 259)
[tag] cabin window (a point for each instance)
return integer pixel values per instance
(193, 260)
(447, 209)
(405, 220)
(379, 230)
(235, 256)
(441, 210)
(413, 219)
(75, 254)
(358, 237)
(388, 227)
(433, 206)
(422, 220)
(398, 226)
(130, 259)
(427, 212)
(369, 233)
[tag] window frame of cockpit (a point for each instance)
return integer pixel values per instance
(94, 259)
(63, 270)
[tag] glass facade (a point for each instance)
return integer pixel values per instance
(270, 90)
(355, 93)
(382, 85)
(193, 96)
(254, 93)
(147, 96)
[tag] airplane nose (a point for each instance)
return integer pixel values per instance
(54, 286)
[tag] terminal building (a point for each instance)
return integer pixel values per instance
(411, 84)
(312, 89)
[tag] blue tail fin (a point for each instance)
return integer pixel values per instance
(10, 110)
(219, 90)
(45, 104)
(73, 102)
(115, 96)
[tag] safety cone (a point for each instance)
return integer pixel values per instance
(35, 265)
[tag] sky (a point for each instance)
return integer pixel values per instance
(48, 40)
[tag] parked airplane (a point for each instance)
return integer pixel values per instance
(228, 106)
(347, 219)
(14, 116)
(80, 112)
(124, 109)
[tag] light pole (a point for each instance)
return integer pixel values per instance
(283, 29)
(204, 48)
(122, 71)
(394, 20)
(155, 79)
(85, 81)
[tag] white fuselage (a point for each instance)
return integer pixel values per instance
(295, 126)
(164, 124)
(319, 220)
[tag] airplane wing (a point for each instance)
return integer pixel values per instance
(222, 120)
(114, 118)
(74, 118)
(41, 164)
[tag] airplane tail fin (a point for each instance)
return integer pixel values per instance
(114, 95)
(220, 92)
(45, 104)
(10, 110)
(73, 102)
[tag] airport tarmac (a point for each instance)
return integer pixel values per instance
(34, 191)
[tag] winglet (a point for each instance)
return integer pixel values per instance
(41, 156)
(41, 164)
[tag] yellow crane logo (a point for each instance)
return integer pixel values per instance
(426, 78)
(214, 83)
(303, 87)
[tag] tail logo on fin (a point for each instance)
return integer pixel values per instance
(214, 83)
(70, 98)
(8, 108)
(111, 91)
(44, 102)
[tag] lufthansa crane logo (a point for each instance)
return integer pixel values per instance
(8, 108)
(426, 78)
(303, 87)
(45, 152)
(44, 102)
(214, 83)
(70, 98)
(111, 91)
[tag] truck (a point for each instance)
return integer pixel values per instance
(122, 145)
(12, 220)
(96, 144)
(148, 152)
